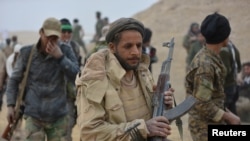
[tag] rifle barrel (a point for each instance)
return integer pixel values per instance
(163, 84)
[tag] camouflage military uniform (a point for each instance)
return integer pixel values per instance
(55, 131)
(101, 113)
(191, 36)
(77, 38)
(194, 49)
(204, 80)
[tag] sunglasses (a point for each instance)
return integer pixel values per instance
(66, 30)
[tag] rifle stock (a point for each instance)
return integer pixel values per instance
(9, 129)
(163, 84)
(6, 132)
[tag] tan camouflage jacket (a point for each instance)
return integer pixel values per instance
(101, 115)
(204, 80)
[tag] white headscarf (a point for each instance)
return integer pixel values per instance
(10, 59)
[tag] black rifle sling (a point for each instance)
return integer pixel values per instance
(235, 65)
(178, 122)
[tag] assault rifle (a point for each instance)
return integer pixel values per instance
(163, 84)
(159, 108)
(19, 107)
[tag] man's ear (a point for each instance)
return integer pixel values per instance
(225, 42)
(111, 47)
(41, 31)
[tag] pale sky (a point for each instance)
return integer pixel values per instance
(19, 15)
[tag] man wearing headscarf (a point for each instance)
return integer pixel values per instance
(191, 36)
(205, 79)
(115, 89)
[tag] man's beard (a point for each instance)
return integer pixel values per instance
(124, 64)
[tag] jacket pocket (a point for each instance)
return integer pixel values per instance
(114, 107)
(85, 110)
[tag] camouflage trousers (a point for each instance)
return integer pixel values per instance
(198, 129)
(36, 130)
(71, 118)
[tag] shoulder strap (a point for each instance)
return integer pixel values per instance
(24, 80)
(234, 60)
(178, 122)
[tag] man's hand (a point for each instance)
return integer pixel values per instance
(10, 114)
(168, 97)
(231, 118)
(54, 50)
(158, 126)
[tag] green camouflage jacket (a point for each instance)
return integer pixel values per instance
(205, 80)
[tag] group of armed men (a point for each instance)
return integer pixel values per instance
(113, 90)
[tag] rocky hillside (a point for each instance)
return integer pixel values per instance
(172, 18)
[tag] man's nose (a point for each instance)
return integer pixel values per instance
(135, 50)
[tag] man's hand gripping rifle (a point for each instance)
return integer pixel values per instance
(163, 84)
(11, 127)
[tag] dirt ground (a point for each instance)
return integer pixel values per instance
(171, 18)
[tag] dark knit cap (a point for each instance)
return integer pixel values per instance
(147, 35)
(65, 21)
(123, 24)
(215, 28)
(65, 24)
